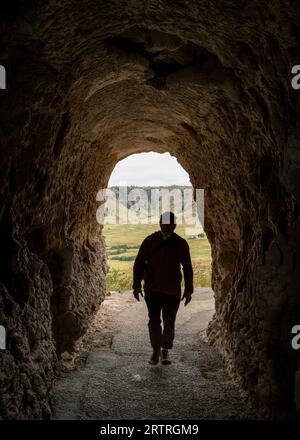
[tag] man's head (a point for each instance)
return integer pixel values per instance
(167, 223)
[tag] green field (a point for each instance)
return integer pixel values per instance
(123, 241)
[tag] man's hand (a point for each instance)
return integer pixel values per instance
(136, 293)
(187, 296)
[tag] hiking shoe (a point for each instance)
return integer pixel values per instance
(165, 357)
(155, 357)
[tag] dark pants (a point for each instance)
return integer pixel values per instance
(168, 304)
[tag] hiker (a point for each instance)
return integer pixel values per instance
(158, 264)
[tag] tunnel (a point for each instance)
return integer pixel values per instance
(88, 84)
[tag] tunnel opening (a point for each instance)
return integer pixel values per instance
(151, 183)
(94, 91)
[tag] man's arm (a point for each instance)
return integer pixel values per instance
(139, 266)
(187, 269)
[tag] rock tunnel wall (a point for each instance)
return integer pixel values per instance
(92, 82)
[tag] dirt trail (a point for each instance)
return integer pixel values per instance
(116, 381)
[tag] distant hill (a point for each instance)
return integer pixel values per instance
(149, 207)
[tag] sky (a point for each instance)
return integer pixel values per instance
(149, 169)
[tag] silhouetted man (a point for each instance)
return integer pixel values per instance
(158, 263)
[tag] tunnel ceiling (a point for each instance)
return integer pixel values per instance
(91, 82)
(153, 77)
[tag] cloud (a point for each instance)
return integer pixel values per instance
(149, 169)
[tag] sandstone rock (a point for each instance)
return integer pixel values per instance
(88, 85)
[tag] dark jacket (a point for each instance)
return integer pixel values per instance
(158, 263)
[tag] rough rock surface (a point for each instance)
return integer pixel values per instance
(91, 82)
(26, 366)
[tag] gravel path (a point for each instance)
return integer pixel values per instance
(116, 382)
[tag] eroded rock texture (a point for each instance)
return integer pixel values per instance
(91, 82)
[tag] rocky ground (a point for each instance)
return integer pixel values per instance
(110, 377)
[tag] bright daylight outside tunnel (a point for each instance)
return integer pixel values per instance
(85, 85)
(140, 188)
